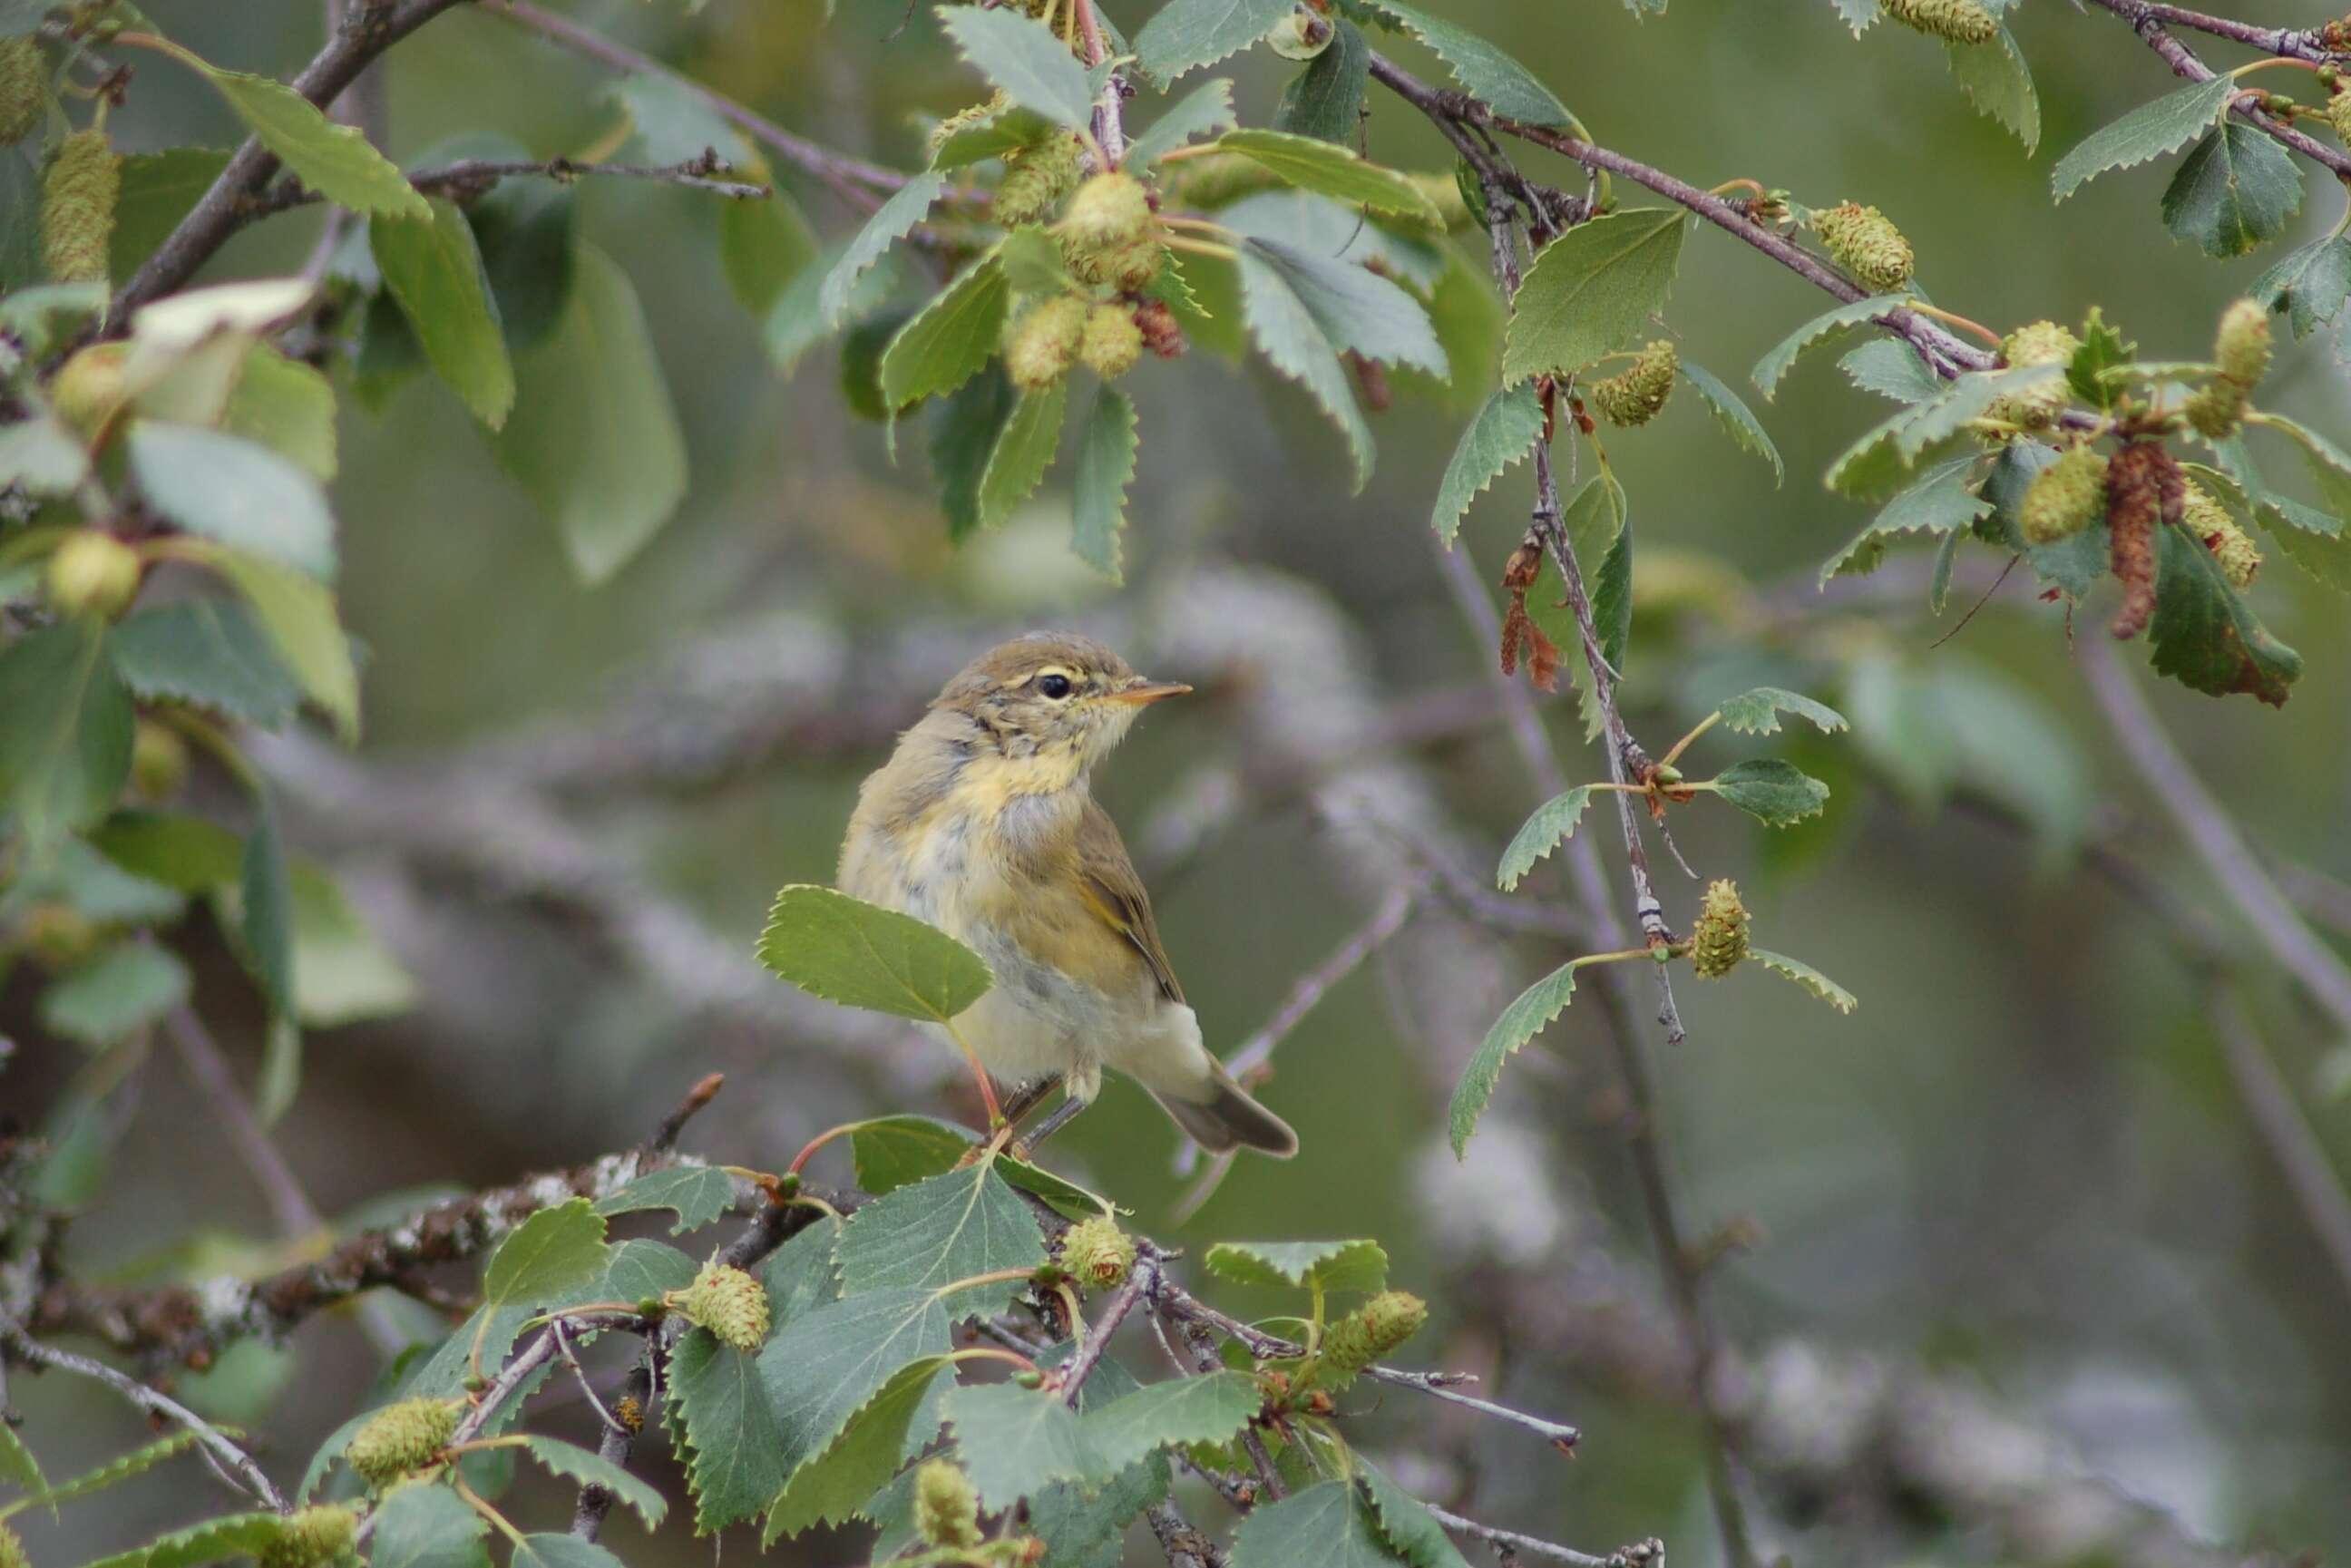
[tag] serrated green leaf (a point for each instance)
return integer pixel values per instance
(1503, 434)
(1774, 366)
(1775, 793)
(1333, 171)
(1326, 99)
(823, 1365)
(1881, 460)
(2234, 191)
(427, 1526)
(244, 496)
(1007, 129)
(128, 988)
(40, 456)
(862, 956)
(1326, 1525)
(1591, 290)
(286, 406)
(1293, 343)
(1939, 500)
(2150, 131)
(2309, 285)
(2071, 565)
(936, 1231)
(184, 853)
(1024, 450)
(297, 611)
(543, 1549)
(963, 432)
(231, 1535)
(892, 1151)
(2315, 541)
(763, 245)
(1405, 1524)
(551, 1251)
(1206, 111)
(1730, 411)
(1553, 823)
(1106, 448)
(594, 436)
(1357, 1265)
(1183, 1410)
(1024, 57)
(2204, 637)
(1998, 83)
(18, 1465)
(733, 1442)
(800, 1277)
(834, 1483)
(636, 1269)
(697, 1194)
(66, 725)
(1891, 368)
(336, 161)
(1804, 974)
(892, 222)
(1483, 70)
(210, 653)
(951, 339)
(85, 878)
(1356, 308)
(589, 1468)
(1185, 34)
(433, 268)
(1014, 1442)
(118, 1470)
(158, 189)
(342, 973)
(1758, 712)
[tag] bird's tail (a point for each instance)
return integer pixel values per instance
(1224, 1118)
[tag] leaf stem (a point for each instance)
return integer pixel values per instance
(1956, 319)
(1674, 755)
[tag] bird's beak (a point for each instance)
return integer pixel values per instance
(1144, 692)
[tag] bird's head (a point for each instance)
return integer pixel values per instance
(1054, 696)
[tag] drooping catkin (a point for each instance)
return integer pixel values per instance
(77, 198)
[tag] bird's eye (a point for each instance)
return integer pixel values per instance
(1055, 685)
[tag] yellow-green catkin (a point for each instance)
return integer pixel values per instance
(946, 1506)
(1042, 342)
(2233, 550)
(2030, 346)
(1865, 242)
(2338, 115)
(24, 92)
(1953, 21)
(78, 198)
(1109, 234)
(1035, 180)
(1111, 342)
(310, 1536)
(964, 119)
(1097, 1253)
(2064, 498)
(1637, 394)
(11, 1549)
(1719, 940)
(2242, 349)
(728, 1302)
(402, 1438)
(1378, 1327)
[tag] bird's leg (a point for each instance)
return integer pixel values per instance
(1029, 1096)
(1059, 1118)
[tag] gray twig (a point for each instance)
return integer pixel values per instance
(471, 177)
(1089, 1354)
(1540, 1548)
(2147, 21)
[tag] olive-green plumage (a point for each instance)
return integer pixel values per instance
(78, 198)
(983, 823)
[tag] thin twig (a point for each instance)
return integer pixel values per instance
(2147, 21)
(2214, 837)
(1097, 1341)
(471, 177)
(238, 1460)
(1517, 1543)
(2287, 43)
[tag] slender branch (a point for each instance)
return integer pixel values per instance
(1138, 1285)
(853, 180)
(367, 31)
(2308, 1170)
(2147, 21)
(471, 177)
(595, 1501)
(2285, 42)
(1183, 1546)
(1511, 1540)
(2206, 825)
(146, 1398)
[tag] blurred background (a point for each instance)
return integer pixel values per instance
(2011, 1209)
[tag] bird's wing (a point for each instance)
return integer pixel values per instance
(1116, 893)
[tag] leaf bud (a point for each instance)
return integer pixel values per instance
(946, 1506)
(77, 198)
(1719, 940)
(1865, 242)
(2064, 498)
(728, 1302)
(1953, 21)
(93, 574)
(402, 1438)
(1042, 342)
(1097, 1253)
(1111, 342)
(1636, 395)
(24, 89)
(2233, 550)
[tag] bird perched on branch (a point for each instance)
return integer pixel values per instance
(982, 824)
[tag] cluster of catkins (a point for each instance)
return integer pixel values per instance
(82, 182)
(1111, 244)
(2141, 487)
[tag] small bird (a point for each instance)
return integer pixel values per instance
(982, 823)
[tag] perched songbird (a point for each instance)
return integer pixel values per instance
(981, 823)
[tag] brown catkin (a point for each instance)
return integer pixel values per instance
(2233, 550)
(78, 199)
(1719, 939)
(2144, 488)
(1865, 242)
(1954, 21)
(1637, 394)
(24, 89)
